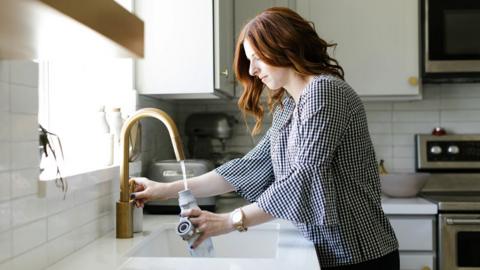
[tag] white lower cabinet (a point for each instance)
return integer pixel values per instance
(413, 261)
(416, 239)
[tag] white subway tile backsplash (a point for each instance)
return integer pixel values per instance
(384, 152)
(431, 92)
(379, 116)
(403, 164)
(460, 116)
(378, 106)
(460, 103)
(5, 126)
(4, 97)
(6, 265)
(413, 128)
(382, 139)
(5, 156)
(461, 127)
(5, 216)
(27, 209)
(29, 236)
(60, 247)
(86, 212)
(61, 223)
(87, 233)
(416, 116)
(5, 246)
(24, 127)
(24, 155)
(467, 90)
(4, 71)
(403, 139)
(428, 105)
(57, 202)
(24, 182)
(5, 184)
(403, 151)
(24, 99)
(380, 127)
(24, 73)
(33, 259)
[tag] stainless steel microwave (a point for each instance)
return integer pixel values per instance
(451, 39)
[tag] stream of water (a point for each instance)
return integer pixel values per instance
(184, 172)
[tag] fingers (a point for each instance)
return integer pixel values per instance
(194, 212)
(201, 238)
(140, 187)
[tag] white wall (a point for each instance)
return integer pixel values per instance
(38, 227)
(392, 125)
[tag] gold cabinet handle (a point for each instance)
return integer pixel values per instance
(413, 81)
(225, 73)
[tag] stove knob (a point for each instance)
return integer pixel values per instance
(453, 149)
(436, 150)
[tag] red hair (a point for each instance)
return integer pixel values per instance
(282, 38)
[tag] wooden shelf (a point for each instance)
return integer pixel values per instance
(62, 29)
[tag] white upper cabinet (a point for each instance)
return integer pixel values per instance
(378, 43)
(188, 48)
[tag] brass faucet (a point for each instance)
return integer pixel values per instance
(124, 205)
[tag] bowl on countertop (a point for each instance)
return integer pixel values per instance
(403, 185)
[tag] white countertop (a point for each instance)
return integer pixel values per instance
(111, 253)
(408, 206)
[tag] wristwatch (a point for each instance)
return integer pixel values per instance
(238, 220)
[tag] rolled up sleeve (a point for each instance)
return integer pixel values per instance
(306, 193)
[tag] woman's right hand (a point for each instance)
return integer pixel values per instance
(146, 190)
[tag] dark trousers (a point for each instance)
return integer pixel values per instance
(391, 261)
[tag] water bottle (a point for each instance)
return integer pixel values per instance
(186, 230)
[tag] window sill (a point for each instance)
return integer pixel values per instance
(85, 178)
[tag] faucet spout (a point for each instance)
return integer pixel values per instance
(124, 215)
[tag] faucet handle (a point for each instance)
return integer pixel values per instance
(131, 188)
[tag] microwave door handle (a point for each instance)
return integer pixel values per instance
(470, 221)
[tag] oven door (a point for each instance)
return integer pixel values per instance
(459, 241)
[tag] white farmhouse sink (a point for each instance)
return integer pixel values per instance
(258, 242)
(275, 245)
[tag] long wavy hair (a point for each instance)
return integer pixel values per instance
(282, 38)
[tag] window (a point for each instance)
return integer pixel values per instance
(71, 94)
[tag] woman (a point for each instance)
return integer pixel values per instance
(315, 166)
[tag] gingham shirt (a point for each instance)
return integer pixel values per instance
(316, 167)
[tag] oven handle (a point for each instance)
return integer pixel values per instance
(466, 221)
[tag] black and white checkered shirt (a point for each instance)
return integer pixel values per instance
(316, 167)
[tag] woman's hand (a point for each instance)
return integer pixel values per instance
(208, 224)
(146, 190)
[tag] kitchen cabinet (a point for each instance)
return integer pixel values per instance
(188, 48)
(248, 9)
(378, 43)
(416, 238)
(59, 29)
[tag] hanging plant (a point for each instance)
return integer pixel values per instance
(45, 139)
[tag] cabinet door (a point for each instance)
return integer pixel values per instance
(248, 9)
(414, 233)
(417, 261)
(178, 47)
(224, 46)
(378, 42)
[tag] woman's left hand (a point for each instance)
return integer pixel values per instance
(208, 224)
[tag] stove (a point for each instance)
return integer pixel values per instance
(454, 162)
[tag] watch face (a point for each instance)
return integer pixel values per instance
(237, 217)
